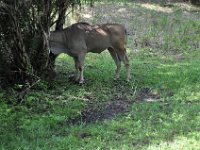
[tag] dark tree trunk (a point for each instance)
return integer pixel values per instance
(62, 7)
(40, 61)
(19, 53)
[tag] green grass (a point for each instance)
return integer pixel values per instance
(165, 117)
(171, 122)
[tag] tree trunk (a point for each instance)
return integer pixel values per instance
(41, 59)
(19, 53)
(62, 7)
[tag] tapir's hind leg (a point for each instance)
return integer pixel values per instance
(117, 62)
(121, 52)
(76, 75)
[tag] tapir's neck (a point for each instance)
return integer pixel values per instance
(57, 42)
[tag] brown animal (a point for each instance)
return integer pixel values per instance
(80, 38)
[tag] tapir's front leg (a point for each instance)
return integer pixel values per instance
(81, 58)
(76, 75)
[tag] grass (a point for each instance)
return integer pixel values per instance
(158, 109)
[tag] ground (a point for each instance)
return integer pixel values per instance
(158, 109)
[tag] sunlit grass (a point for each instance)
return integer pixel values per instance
(157, 8)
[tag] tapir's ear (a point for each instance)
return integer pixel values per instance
(49, 34)
(46, 35)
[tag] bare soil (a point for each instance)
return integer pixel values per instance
(110, 109)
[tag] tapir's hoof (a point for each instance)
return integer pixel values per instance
(81, 82)
(71, 77)
(128, 79)
(116, 79)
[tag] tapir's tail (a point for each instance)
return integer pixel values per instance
(126, 34)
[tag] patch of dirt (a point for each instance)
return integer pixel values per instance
(109, 110)
(147, 95)
(83, 135)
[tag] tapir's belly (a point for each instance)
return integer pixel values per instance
(97, 46)
(56, 48)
